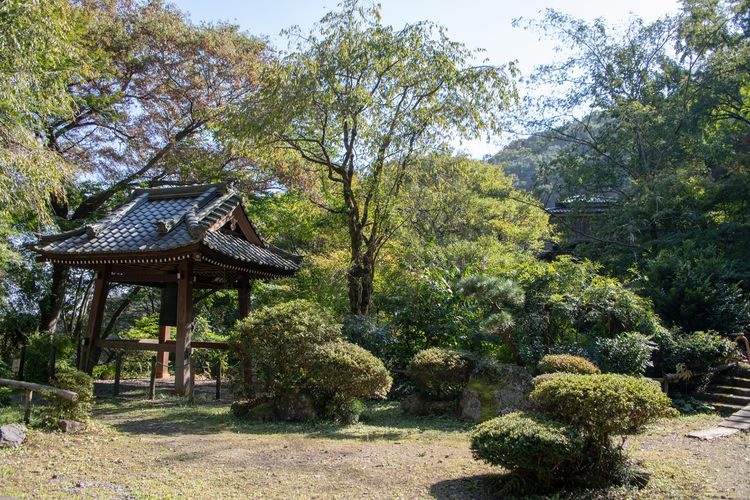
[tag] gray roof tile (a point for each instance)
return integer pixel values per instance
(164, 219)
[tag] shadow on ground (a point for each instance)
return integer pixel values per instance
(484, 486)
(168, 414)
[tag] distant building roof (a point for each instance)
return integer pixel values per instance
(206, 222)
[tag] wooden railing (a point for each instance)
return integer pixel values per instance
(30, 388)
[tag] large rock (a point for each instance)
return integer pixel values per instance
(295, 407)
(13, 435)
(71, 426)
(503, 389)
(419, 405)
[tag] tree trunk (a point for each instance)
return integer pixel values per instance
(52, 305)
(361, 276)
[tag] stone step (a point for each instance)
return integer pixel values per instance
(730, 389)
(722, 397)
(734, 381)
(726, 408)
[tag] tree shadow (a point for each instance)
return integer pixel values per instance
(484, 486)
(171, 415)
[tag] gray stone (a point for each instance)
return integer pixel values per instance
(12, 435)
(712, 433)
(470, 405)
(71, 426)
(499, 389)
(419, 405)
(295, 407)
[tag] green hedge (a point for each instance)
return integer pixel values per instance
(440, 373)
(601, 405)
(566, 363)
(529, 444)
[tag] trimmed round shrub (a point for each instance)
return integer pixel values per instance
(530, 444)
(628, 353)
(567, 363)
(276, 343)
(440, 373)
(601, 405)
(295, 365)
(59, 408)
(349, 371)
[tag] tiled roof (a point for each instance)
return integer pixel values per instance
(165, 220)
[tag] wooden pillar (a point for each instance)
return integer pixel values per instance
(182, 368)
(96, 316)
(244, 298)
(162, 358)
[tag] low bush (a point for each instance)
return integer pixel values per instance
(349, 371)
(697, 351)
(440, 373)
(555, 363)
(276, 343)
(534, 446)
(628, 353)
(59, 408)
(601, 405)
(296, 366)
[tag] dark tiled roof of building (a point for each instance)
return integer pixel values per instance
(165, 220)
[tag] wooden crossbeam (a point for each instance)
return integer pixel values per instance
(156, 346)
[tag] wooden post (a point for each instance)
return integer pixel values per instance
(191, 389)
(243, 294)
(27, 406)
(118, 373)
(152, 382)
(96, 317)
(218, 379)
(182, 356)
(162, 358)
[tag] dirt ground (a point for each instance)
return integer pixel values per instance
(166, 448)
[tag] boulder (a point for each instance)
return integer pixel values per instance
(501, 389)
(71, 426)
(12, 435)
(417, 404)
(295, 407)
(470, 405)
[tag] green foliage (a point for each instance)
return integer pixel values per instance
(367, 332)
(628, 353)
(554, 363)
(295, 363)
(344, 410)
(500, 297)
(348, 371)
(440, 373)
(697, 288)
(664, 145)
(280, 343)
(358, 100)
(601, 405)
(696, 351)
(59, 408)
(569, 303)
(535, 446)
(42, 50)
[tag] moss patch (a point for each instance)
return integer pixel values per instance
(485, 390)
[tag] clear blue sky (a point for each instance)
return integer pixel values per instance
(485, 24)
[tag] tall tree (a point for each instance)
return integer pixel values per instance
(41, 52)
(655, 119)
(149, 116)
(360, 102)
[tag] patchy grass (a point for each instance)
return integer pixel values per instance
(167, 448)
